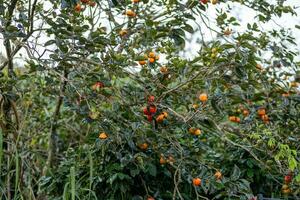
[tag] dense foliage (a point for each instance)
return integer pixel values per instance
(107, 105)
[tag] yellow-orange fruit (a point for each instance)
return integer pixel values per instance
(151, 55)
(196, 181)
(142, 62)
(143, 146)
(123, 32)
(103, 136)
(151, 60)
(165, 114)
(191, 130)
(195, 106)
(130, 13)
(245, 113)
(162, 160)
(261, 111)
(197, 132)
(218, 175)
(265, 117)
(160, 118)
(203, 97)
(77, 8)
(232, 118)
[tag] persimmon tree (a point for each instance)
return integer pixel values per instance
(107, 105)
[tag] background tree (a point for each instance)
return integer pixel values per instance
(106, 106)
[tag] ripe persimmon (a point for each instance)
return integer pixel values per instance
(151, 55)
(265, 118)
(160, 118)
(123, 32)
(149, 118)
(165, 114)
(197, 132)
(77, 8)
(232, 118)
(285, 186)
(288, 179)
(142, 62)
(195, 106)
(103, 136)
(191, 130)
(151, 60)
(261, 111)
(203, 97)
(130, 13)
(285, 189)
(151, 98)
(218, 175)
(196, 181)
(146, 111)
(162, 160)
(135, 1)
(245, 113)
(152, 109)
(143, 146)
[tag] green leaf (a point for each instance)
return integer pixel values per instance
(151, 169)
(236, 173)
(292, 163)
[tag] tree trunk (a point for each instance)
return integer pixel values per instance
(52, 141)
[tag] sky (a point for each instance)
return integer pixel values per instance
(246, 15)
(243, 14)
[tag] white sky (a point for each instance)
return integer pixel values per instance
(245, 15)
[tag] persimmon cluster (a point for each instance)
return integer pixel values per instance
(263, 115)
(78, 8)
(151, 109)
(152, 57)
(287, 180)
